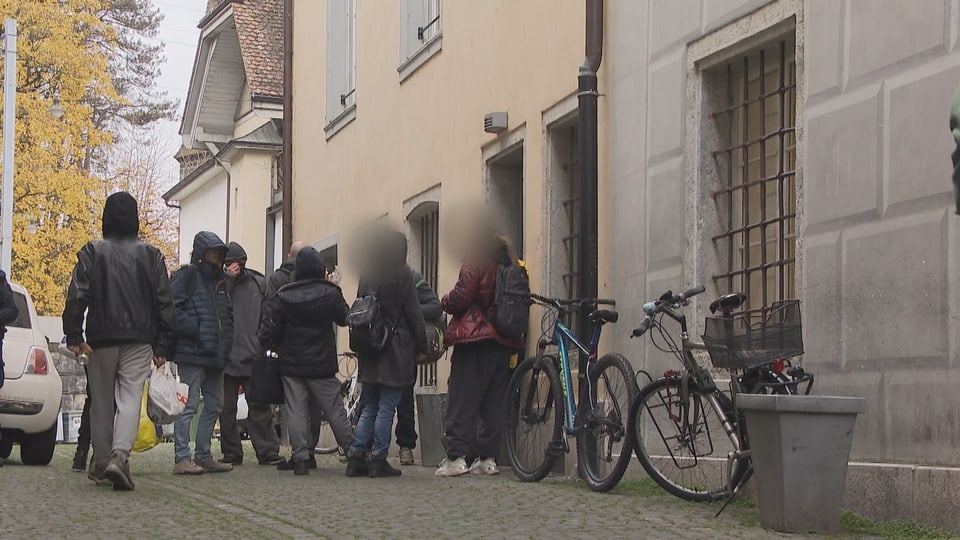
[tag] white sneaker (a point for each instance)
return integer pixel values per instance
(485, 466)
(457, 467)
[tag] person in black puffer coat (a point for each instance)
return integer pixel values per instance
(205, 322)
(300, 329)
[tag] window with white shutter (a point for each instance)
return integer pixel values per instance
(341, 64)
(420, 35)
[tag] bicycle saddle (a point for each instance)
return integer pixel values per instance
(604, 315)
(728, 302)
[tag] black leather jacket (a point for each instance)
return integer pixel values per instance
(121, 284)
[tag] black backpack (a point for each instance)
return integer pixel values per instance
(511, 313)
(369, 330)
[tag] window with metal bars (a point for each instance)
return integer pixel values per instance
(429, 239)
(756, 199)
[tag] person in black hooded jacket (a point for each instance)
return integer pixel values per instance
(300, 329)
(121, 284)
(205, 321)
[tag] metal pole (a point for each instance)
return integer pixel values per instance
(9, 119)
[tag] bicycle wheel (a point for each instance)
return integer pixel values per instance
(327, 441)
(534, 418)
(603, 452)
(681, 443)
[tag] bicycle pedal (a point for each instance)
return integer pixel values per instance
(556, 448)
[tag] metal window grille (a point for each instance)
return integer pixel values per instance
(430, 268)
(571, 209)
(757, 198)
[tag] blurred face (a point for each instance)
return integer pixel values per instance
(214, 257)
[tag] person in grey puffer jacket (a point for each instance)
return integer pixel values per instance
(205, 324)
(246, 288)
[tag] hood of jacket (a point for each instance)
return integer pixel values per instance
(309, 265)
(203, 241)
(235, 252)
(120, 218)
(307, 298)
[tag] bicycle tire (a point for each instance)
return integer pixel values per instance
(603, 449)
(535, 411)
(701, 474)
(326, 432)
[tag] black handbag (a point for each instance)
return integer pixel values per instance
(265, 385)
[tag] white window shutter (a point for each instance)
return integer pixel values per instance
(413, 15)
(336, 56)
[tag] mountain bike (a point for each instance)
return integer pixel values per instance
(543, 410)
(686, 432)
(350, 393)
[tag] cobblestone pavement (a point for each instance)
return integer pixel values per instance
(260, 502)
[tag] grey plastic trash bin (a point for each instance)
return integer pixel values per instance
(431, 411)
(800, 446)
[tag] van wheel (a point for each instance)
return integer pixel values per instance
(37, 448)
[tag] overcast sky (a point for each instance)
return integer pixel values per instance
(180, 34)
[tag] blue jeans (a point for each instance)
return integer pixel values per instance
(374, 428)
(209, 382)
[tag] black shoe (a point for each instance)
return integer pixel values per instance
(300, 468)
(231, 461)
(381, 468)
(275, 460)
(311, 462)
(285, 466)
(80, 460)
(357, 465)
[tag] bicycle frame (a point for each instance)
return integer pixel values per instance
(562, 336)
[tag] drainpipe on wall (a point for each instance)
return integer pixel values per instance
(286, 209)
(587, 100)
(226, 168)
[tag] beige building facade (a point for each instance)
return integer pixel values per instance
(389, 108)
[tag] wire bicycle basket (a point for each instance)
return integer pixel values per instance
(744, 342)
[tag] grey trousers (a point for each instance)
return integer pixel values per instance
(116, 376)
(298, 394)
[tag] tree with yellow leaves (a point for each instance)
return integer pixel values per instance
(70, 49)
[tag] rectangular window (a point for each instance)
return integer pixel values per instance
(341, 62)
(756, 160)
(419, 34)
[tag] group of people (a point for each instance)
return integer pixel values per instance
(213, 317)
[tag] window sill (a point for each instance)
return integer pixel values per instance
(341, 121)
(420, 57)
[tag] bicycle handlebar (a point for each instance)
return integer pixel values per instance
(561, 302)
(668, 299)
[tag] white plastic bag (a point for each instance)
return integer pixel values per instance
(167, 397)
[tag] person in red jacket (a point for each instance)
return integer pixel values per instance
(480, 364)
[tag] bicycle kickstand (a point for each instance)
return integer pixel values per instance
(734, 492)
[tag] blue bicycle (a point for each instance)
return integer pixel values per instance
(543, 409)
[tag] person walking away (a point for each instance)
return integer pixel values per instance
(246, 288)
(205, 321)
(406, 430)
(480, 364)
(277, 280)
(386, 373)
(121, 284)
(8, 314)
(301, 331)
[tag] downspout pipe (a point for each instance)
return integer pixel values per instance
(226, 168)
(587, 95)
(286, 209)
(587, 115)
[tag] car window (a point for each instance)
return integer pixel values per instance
(23, 317)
